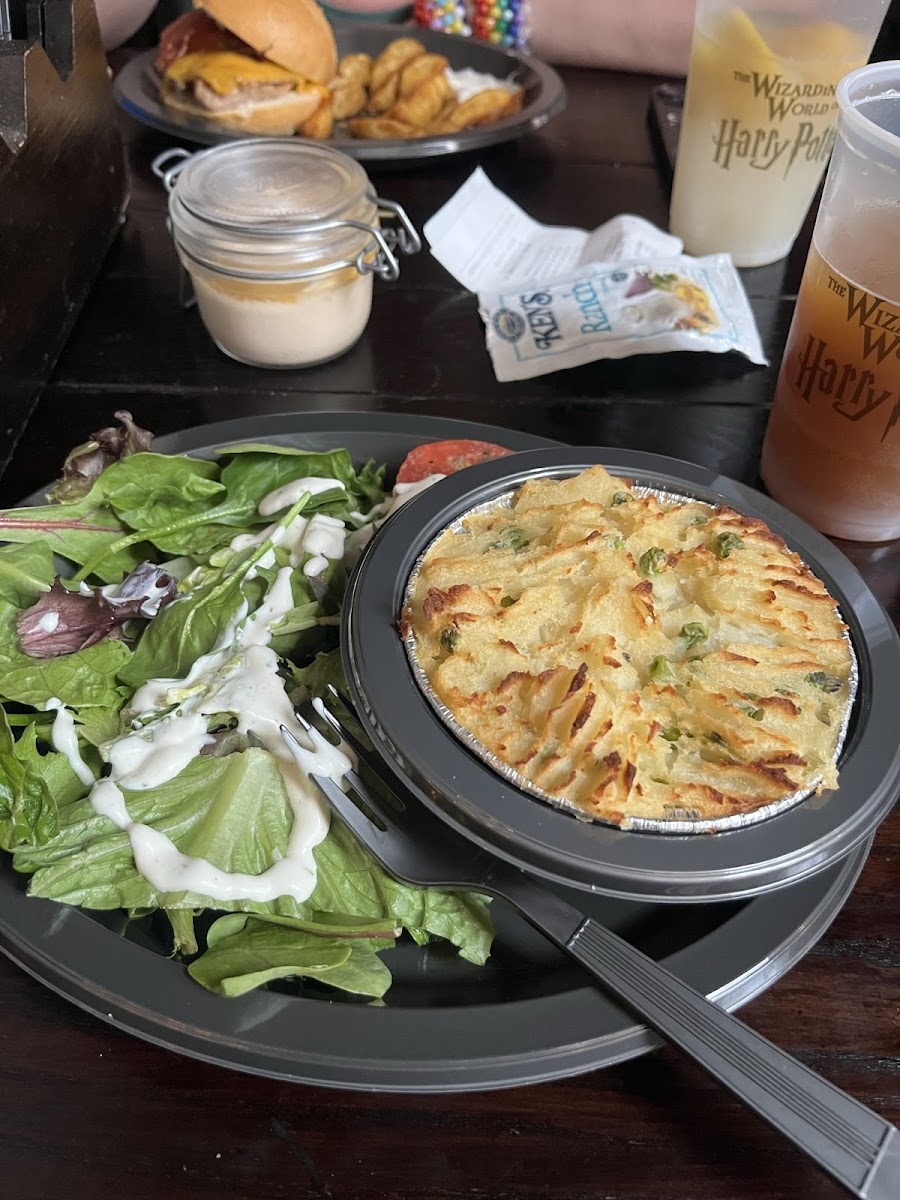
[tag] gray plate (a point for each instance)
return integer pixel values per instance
(135, 88)
(528, 1015)
(469, 794)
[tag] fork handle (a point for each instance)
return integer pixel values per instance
(847, 1139)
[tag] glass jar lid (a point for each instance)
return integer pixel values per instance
(270, 187)
(273, 208)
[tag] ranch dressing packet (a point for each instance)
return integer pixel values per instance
(612, 310)
(553, 297)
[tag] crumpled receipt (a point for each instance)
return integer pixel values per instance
(552, 297)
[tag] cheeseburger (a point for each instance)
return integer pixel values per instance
(251, 67)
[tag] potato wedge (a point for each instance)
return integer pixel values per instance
(420, 70)
(422, 106)
(384, 97)
(480, 109)
(393, 59)
(321, 124)
(514, 105)
(357, 67)
(348, 97)
(381, 128)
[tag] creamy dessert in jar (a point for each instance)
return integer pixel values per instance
(281, 240)
(284, 324)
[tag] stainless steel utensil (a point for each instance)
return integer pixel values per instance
(845, 1138)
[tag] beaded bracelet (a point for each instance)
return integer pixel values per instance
(501, 22)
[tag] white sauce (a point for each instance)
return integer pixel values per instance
(403, 492)
(288, 495)
(312, 324)
(65, 740)
(467, 83)
(320, 536)
(48, 622)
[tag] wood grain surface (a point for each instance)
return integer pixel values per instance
(87, 1111)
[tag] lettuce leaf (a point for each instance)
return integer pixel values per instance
(232, 811)
(260, 952)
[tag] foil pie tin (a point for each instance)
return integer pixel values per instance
(685, 824)
(430, 760)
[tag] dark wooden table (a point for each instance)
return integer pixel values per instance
(86, 1111)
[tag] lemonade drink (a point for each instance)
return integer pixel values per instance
(759, 123)
(832, 446)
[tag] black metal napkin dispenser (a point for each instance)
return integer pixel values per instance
(63, 186)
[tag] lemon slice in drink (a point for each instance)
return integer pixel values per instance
(738, 35)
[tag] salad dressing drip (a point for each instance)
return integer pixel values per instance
(288, 495)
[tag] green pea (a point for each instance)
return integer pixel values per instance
(652, 561)
(724, 543)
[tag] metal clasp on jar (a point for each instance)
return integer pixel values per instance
(404, 239)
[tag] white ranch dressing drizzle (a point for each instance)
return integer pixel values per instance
(402, 492)
(320, 536)
(65, 740)
(288, 495)
(239, 675)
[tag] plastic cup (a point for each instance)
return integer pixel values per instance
(759, 119)
(832, 446)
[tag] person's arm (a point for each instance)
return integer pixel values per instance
(625, 35)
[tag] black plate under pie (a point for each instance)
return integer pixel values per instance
(528, 1015)
(468, 793)
(137, 90)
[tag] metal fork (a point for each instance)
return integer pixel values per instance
(851, 1142)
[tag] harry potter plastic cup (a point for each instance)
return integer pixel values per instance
(832, 447)
(759, 119)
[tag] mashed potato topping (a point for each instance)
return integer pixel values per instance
(631, 657)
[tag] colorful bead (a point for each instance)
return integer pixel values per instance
(501, 22)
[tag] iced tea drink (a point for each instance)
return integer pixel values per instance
(759, 119)
(832, 446)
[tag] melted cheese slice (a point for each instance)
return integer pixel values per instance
(224, 72)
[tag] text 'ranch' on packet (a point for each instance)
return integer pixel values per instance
(553, 297)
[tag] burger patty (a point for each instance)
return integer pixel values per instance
(250, 94)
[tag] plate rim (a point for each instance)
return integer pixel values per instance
(56, 944)
(549, 102)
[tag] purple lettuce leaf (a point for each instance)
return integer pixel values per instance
(63, 622)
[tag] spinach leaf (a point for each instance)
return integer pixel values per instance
(80, 680)
(82, 532)
(27, 807)
(25, 572)
(183, 631)
(324, 670)
(260, 952)
(154, 490)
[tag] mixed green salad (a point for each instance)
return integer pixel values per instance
(154, 623)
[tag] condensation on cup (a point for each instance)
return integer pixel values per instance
(832, 446)
(760, 118)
